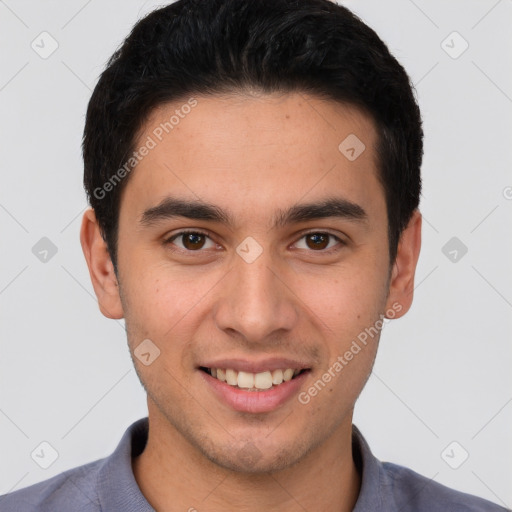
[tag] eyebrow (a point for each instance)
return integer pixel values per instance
(333, 207)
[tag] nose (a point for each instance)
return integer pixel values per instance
(258, 303)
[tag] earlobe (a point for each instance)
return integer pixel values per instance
(401, 287)
(101, 269)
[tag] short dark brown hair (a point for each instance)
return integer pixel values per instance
(208, 47)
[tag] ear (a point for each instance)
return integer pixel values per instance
(401, 287)
(100, 265)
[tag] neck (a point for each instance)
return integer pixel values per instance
(172, 471)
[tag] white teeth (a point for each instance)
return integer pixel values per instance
(248, 380)
(263, 380)
(231, 377)
(277, 377)
(245, 380)
(287, 374)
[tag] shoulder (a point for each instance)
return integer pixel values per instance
(412, 491)
(387, 486)
(105, 484)
(74, 489)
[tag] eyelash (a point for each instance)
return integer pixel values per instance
(169, 241)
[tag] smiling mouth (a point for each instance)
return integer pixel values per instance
(248, 381)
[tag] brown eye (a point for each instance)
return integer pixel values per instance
(191, 241)
(317, 240)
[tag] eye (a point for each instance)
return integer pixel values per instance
(192, 241)
(318, 241)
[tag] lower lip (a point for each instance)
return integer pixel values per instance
(254, 401)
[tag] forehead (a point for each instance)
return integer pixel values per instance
(243, 151)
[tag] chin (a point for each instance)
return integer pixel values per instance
(250, 460)
(256, 457)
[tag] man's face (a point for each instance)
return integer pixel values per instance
(266, 292)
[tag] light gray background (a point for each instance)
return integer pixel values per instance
(442, 373)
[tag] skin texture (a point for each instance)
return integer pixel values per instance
(252, 156)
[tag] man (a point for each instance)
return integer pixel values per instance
(253, 170)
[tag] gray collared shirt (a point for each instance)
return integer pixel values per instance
(108, 485)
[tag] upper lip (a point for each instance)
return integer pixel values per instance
(244, 365)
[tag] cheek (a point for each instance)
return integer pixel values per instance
(161, 307)
(349, 307)
(350, 335)
(347, 298)
(164, 304)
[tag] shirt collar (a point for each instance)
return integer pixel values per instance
(372, 474)
(118, 489)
